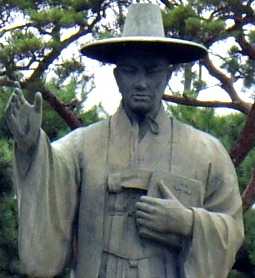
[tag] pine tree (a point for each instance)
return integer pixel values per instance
(30, 52)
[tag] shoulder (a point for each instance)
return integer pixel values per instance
(199, 141)
(205, 153)
(89, 133)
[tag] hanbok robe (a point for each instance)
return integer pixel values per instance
(87, 183)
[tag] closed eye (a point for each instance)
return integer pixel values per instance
(128, 70)
(154, 70)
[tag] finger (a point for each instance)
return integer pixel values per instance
(165, 192)
(17, 84)
(20, 95)
(17, 98)
(150, 200)
(141, 222)
(145, 206)
(9, 109)
(149, 224)
(11, 118)
(18, 91)
(11, 104)
(149, 205)
(143, 215)
(38, 102)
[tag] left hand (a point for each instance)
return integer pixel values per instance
(165, 215)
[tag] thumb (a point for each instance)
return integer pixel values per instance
(17, 84)
(38, 102)
(165, 192)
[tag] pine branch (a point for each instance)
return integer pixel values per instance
(63, 110)
(247, 48)
(226, 82)
(237, 105)
(48, 60)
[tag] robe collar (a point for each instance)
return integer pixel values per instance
(155, 125)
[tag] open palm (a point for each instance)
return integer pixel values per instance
(24, 119)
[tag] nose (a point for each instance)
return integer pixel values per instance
(140, 82)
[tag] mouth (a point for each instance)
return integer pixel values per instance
(140, 97)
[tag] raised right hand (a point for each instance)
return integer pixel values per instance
(24, 119)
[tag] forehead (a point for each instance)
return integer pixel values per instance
(145, 58)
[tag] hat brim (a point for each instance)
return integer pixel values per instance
(175, 50)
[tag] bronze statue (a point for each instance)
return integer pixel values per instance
(146, 195)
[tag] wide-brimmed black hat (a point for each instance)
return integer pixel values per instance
(143, 29)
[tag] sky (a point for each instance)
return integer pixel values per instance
(106, 91)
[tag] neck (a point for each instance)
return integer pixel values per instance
(145, 121)
(140, 117)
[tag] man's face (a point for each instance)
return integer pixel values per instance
(142, 78)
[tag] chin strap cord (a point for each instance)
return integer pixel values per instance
(153, 125)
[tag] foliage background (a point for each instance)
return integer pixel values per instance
(30, 52)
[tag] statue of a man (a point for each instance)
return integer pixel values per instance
(146, 195)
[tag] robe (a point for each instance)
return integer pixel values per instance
(62, 190)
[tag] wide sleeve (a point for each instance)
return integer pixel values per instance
(218, 226)
(47, 182)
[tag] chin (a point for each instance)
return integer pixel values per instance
(141, 110)
(141, 107)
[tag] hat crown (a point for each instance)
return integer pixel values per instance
(143, 20)
(143, 28)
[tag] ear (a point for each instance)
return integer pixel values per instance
(169, 74)
(117, 78)
(115, 73)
